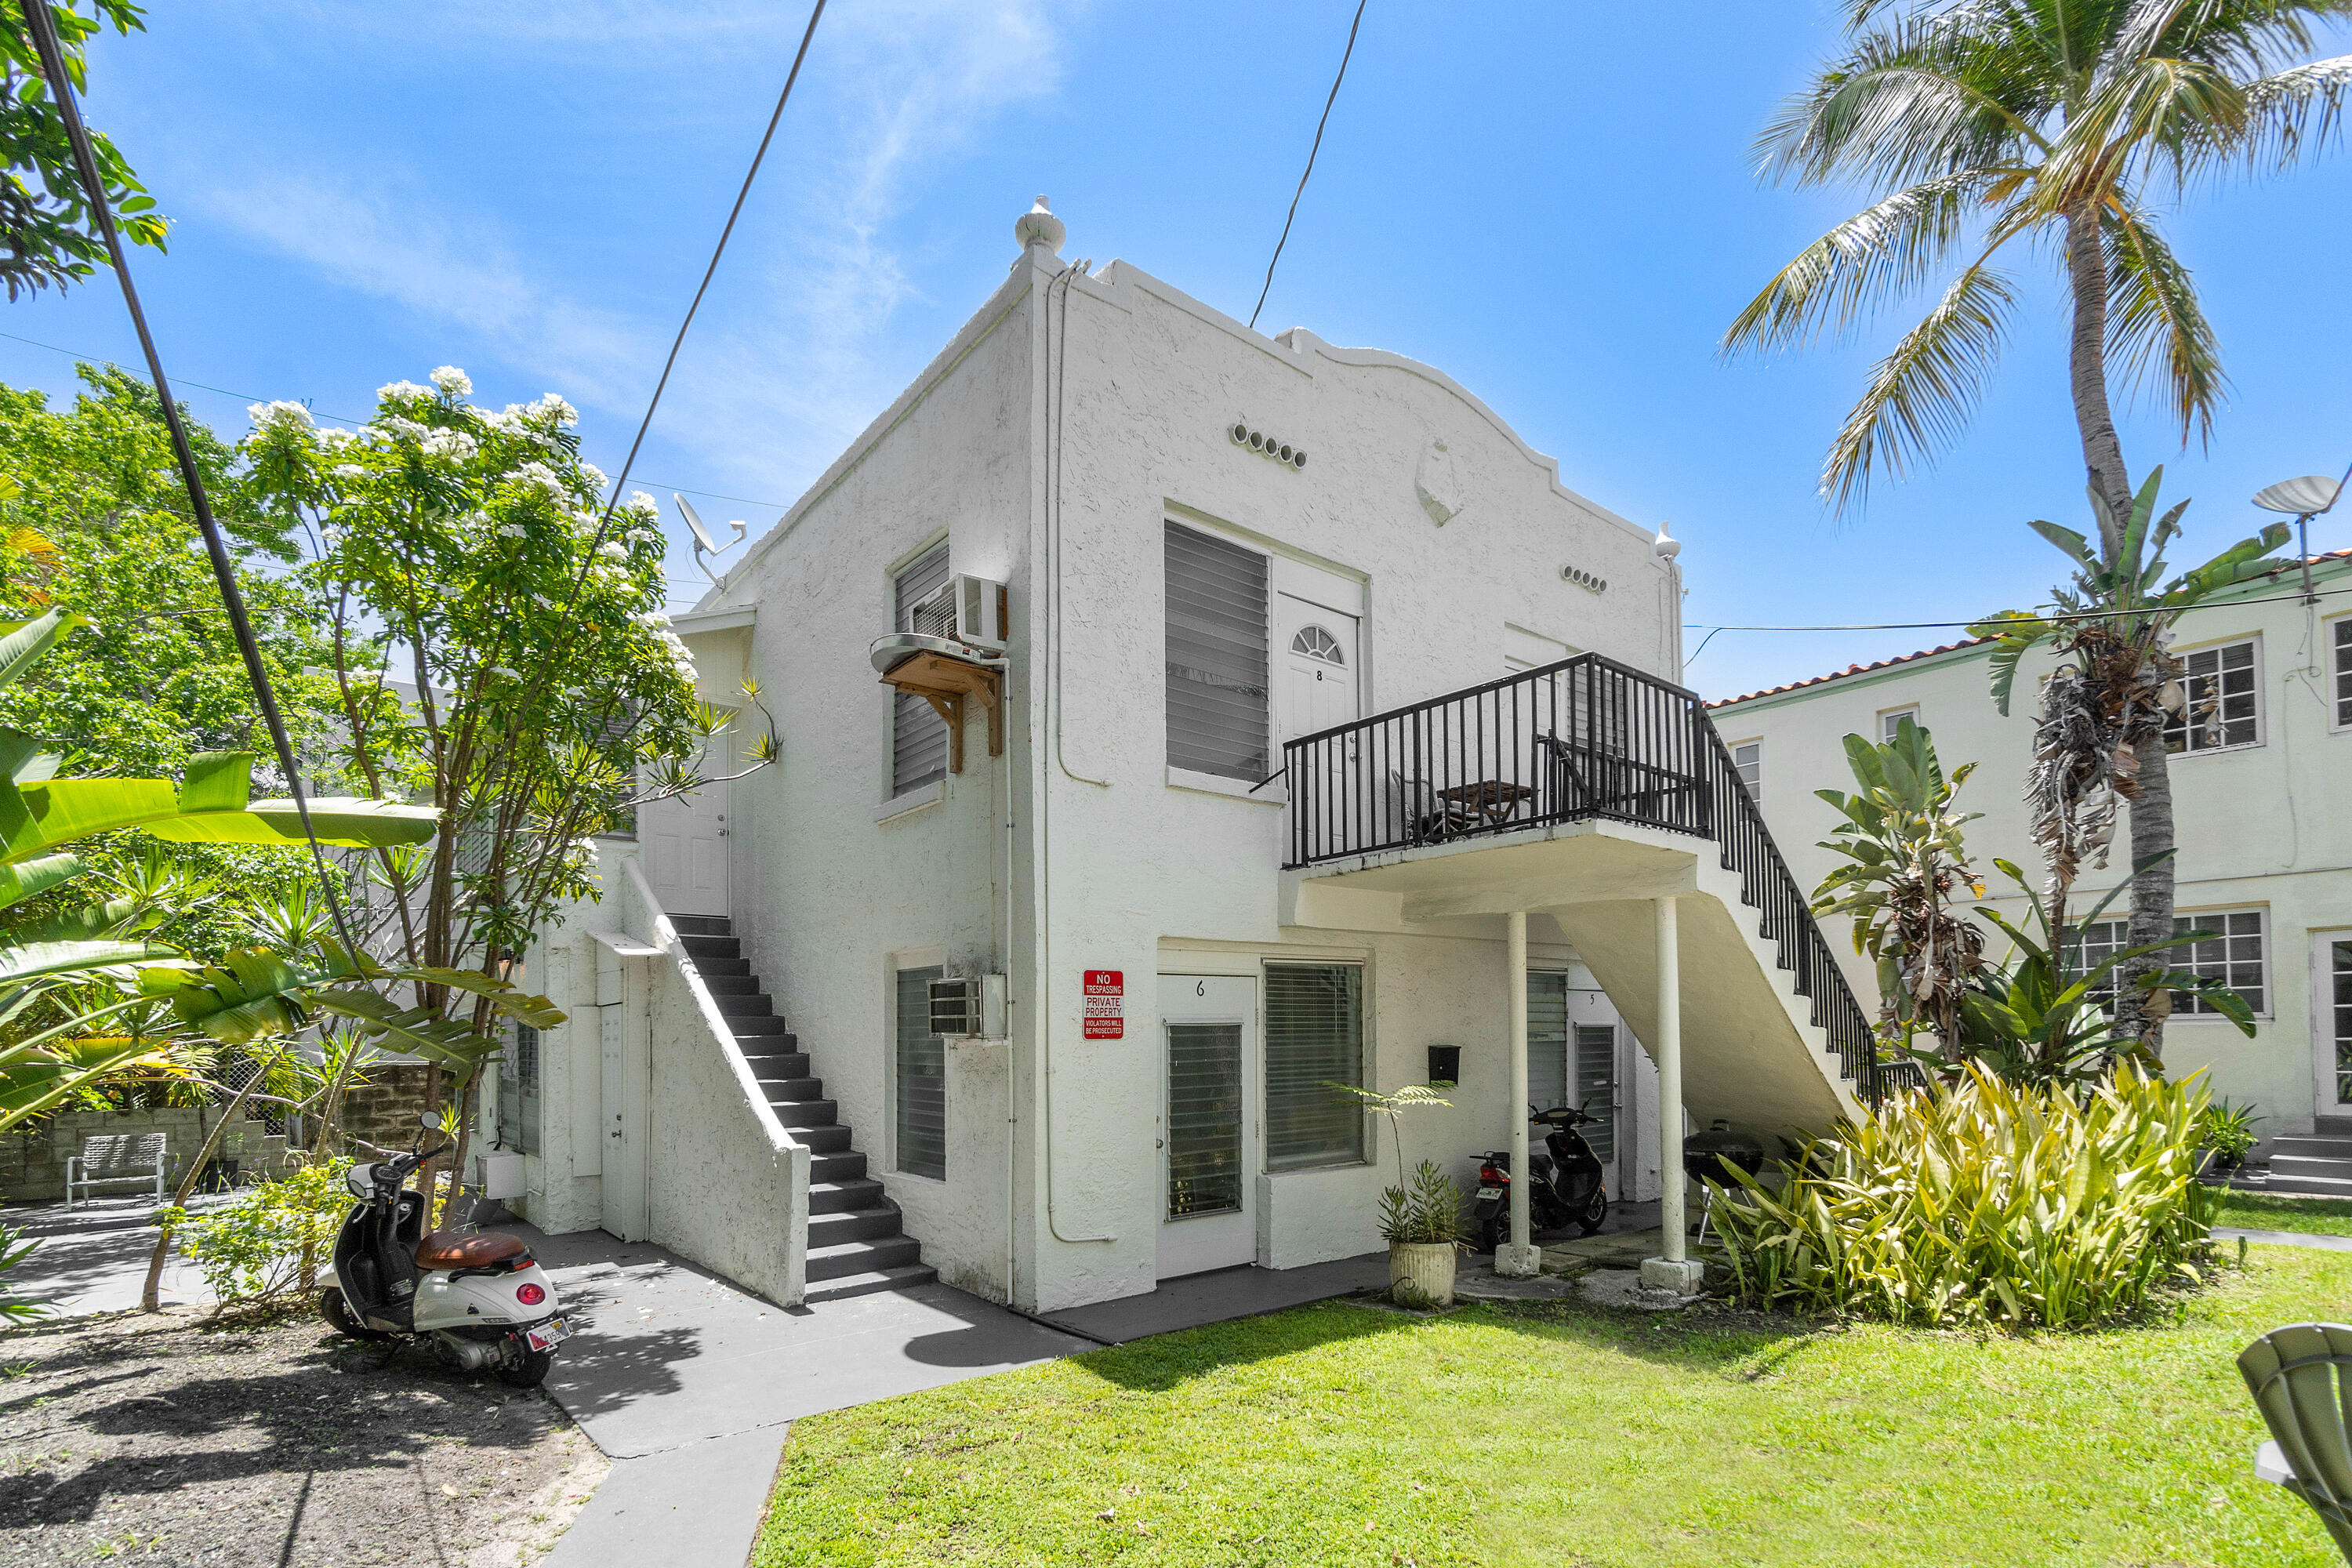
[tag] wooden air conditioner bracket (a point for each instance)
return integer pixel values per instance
(944, 683)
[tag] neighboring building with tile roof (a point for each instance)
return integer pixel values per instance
(2262, 798)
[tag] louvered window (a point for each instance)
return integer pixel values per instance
(918, 737)
(518, 1089)
(1204, 1119)
(1596, 1087)
(922, 1078)
(1314, 1039)
(1547, 1039)
(1216, 657)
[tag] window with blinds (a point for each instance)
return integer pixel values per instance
(918, 737)
(1314, 1038)
(1596, 1087)
(1216, 657)
(922, 1079)
(1547, 1039)
(1204, 1119)
(518, 1089)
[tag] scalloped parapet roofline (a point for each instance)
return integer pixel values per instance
(1029, 272)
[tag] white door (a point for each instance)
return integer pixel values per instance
(684, 842)
(1317, 654)
(2331, 1019)
(1209, 1116)
(624, 1154)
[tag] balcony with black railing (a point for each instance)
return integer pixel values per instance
(1587, 741)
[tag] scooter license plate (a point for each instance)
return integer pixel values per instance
(547, 1335)
(1490, 1191)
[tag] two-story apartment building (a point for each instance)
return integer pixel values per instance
(1251, 718)
(2262, 788)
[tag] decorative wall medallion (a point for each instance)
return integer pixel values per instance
(1265, 446)
(1436, 485)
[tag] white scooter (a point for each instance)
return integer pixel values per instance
(479, 1301)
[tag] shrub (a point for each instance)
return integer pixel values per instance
(270, 1241)
(1989, 1201)
(1429, 1211)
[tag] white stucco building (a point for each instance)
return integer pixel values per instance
(2262, 796)
(1328, 726)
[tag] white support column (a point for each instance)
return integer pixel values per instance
(1518, 1258)
(1675, 1271)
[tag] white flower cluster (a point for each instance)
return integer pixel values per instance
(643, 507)
(454, 445)
(615, 549)
(268, 417)
(539, 476)
(595, 476)
(679, 659)
(401, 392)
(453, 382)
(405, 428)
(553, 407)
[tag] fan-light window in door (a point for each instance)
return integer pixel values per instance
(1316, 642)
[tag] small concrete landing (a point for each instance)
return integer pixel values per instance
(1223, 1295)
(1623, 1288)
(1480, 1283)
(1620, 1249)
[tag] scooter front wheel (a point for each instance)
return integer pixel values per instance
(528, 1370)
(1596, 1211)
(339, 1316)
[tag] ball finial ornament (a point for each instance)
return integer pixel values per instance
(1038, 225)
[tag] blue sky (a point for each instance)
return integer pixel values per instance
(1551, 203)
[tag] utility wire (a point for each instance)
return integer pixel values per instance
(1319, 124)
(1981, 620)
(346, 419)
(43, 27)
(709, 272)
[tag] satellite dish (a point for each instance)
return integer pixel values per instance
(2306, 497)
(703, 544)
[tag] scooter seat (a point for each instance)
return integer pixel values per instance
(449, 1249)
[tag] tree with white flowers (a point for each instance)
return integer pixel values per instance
(470, 556)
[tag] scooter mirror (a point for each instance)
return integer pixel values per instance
(430, 1122)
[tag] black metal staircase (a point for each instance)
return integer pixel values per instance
(856, 1244)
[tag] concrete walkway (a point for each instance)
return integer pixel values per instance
(93, 1257)
(2286, 1239)
(687, 1383)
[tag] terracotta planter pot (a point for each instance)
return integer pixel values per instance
(1422, 1273)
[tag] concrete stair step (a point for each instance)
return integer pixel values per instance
(848, 1257)
(751, 1007)
(785, 1089)
(879, 1222)
(847, 1165)
(701, 925)
(900, 1278)
(769, 1027)
(2331, 1126)
(841, 1197)
(820, 1141)
(806, 1112)
(744, 985)
(779, 1065)
(2313, 1148)
(709, 967)
(2300, 1186)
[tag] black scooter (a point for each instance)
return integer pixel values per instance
(1567, 1189)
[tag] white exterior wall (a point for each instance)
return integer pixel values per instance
(1076, 851)
(2267, 827)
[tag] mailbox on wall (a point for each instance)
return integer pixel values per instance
(1445, 1064)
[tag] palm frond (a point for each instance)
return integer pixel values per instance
(1879, 254)
(2292, 112)
(1920, 395)
(2157, 329)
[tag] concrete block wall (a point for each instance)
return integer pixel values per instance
(33, 1161)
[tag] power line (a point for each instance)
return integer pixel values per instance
(1319, 124)
(1981, 620)
(346, 419)
(60, 84)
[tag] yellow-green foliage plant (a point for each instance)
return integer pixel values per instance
(1988, 1203)
(270, 1241)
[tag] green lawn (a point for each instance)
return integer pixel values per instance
(1574, 1438)
(2260, 1211)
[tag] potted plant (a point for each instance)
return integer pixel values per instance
(1422, 1225)
(2229, 1135)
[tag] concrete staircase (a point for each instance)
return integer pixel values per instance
(2319, 1166)
(856, 1244)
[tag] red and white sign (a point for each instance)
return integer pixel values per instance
(1106, 1004)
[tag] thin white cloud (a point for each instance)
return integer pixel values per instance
(792, 355)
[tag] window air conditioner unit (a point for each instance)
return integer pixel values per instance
(973, 610)
(969, 1007)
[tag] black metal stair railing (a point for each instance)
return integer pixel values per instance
(1587, 739)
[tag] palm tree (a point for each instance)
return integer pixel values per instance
(1985, 128)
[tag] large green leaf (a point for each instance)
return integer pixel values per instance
(39, 819)
(249, 994)
(419, 1031)
(31, 879)
(35, 959)
(22, 643)
(29, 1088)
(536, 1011)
